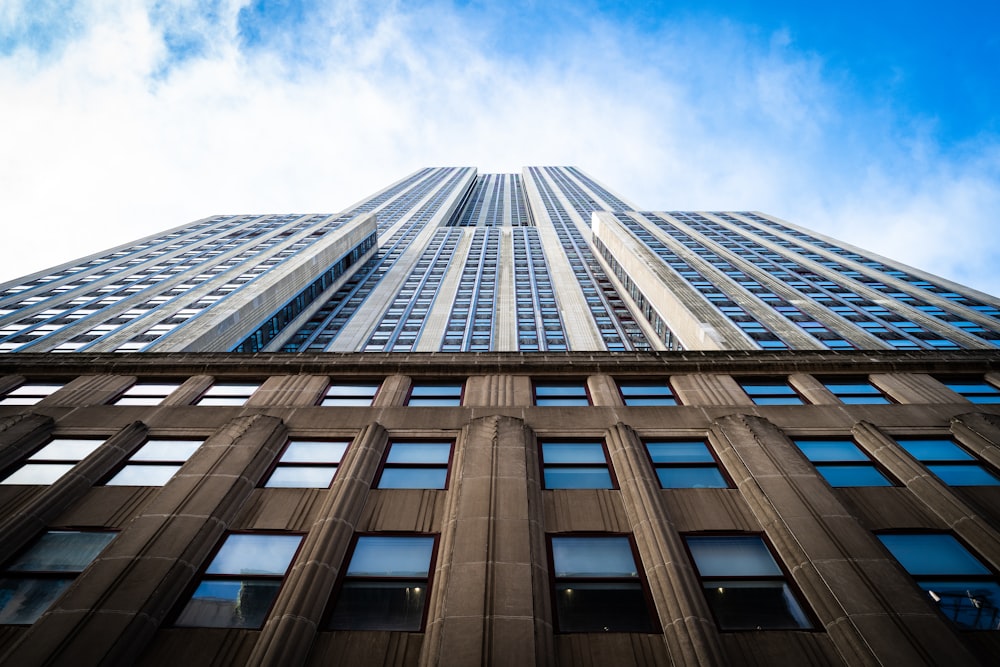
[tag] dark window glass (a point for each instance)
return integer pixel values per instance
(147, 393)
(155, 463)
(961, 586)
(974, 389)
(30, 393)
(842, 463)
(597, 586)
(35, 579)
(949, 462)
(770, 391)
(685, 464)
(744, 585)
(561, 393)
(228, 393)
(575, 465)
(435, 394)
(855, 391)
(307, 464)
(415, 465)
(52, 461)
(646, 393)
(347, 394)
(385, 586)
(240, 584)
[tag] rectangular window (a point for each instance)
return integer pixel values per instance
(228, 393)
(950, 463)
(597, 586)
(35, 579)
(307, 464)
(147, 393)
(435, 394)
(770, 391)
(52, 461)
(415, 465)
(385, 585)
(575, 465)
(855, 391)
(360, 394)
(561, 393)
(241, 583)
(646, 393)
(155, 463)
(30, 393)
(745, 587)
(842, 463)
(962, 587)
(974, 389)
(685, 464)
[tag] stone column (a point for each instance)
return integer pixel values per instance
(489, 603)
(293, 622)
(912, 387)
(115, 606)
(393, 391)
(91, 390)
(706, 389)
(980, 432)
(603, 390)
(289, 391)
(497, 390)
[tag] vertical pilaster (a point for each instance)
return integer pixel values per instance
(980, 432)
(393, 391)
(92, 390)
(289, 390)
(705, 389)
(603, 390)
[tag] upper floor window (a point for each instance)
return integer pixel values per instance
(855, 391)
(745, 587)
(385, 585)
(415, 465)
(147, 393)
(348, 394)
(435, 394)
(307, 464)
(685, 464)
(962, 587)
(30, 393)
(155, 463)
(228, 393)
(575, 465)
(974, 389)
(32, 581)
(637, 392)
(949, 462)
(770, 391)
(52, 461)
(241, 583)
(842, 463)
(597, 586)
(561, 393)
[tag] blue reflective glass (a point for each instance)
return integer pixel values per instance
(831, 450)
(24, 600)
(864, 400)
(732, 556)
(167, 450)
(639, 401)
(413, 478)
(936, 449)
(964, 475)
(577, 478)
(985, 400)
(229, 604)
(971, 605)
(560, 390)
(645, 389)
(691, 478)
(932, 554)
(853, 475)
(593, 557)
(562, 401)
(432, 402)
(972, 387)
(419, 452)
(777, 400)
(255, 554)
(352, 389)
(679, 452)
(301, 477)
(573, 452)
(62, 551)
(436, 390)
(303, 451)
(768, 389)
(852, 388)
(396, 556)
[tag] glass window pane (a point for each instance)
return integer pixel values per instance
(755, 605)
(380, 605)
(855, 388)
(413, 478)
(66, 449)
(935, 450)
(139, 400)
(376, 556)
(854, 475)
(602, 607)
(969, 387)
(433, 402)
(778, 400)
(971, 605)
(343, 401)
(62, 551)
(167, 450)
(229, 604)
(932, 553)
(22, 601)
(831, 450)
(637, 401)
(562, 401)
(691, 478)
(985, 400)
(222, 400)
(560, 390)
(255, 554)
(768, 389)
(314, 452)
(732, 556)
(436, 390)
(302, 477)
(152, 388)
(593, 557)
(419, 452)
(143, 475)
(577, 478)
(352, 389)
(38, 473)
(864, 400)
(679, 452)
(573, 452)
(964, 475)
(35, 389)
(645, 389)
(231, 389)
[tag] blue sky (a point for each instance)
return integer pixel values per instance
(873, 122)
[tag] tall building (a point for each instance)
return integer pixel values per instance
(684, 438)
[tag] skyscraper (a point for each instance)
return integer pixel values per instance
(497, 419)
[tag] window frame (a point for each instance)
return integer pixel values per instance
(152, 463)
(671, 399)
(433, 384)
(536, 384)
(279, 464)
(772, 398)
(30, 460)
(385, 464)
(846, 464)
(952, 382)
(543, 466)
(328, 401)
(716, 463)
(932, 463)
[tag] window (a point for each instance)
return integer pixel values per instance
(30, 393)
(52, 461)
(155, 463)
(949, 462)
(307, 464)
(35, 579)
(855, 391)
(228, 393)
(685, 464)
(561, 393)
(240, 584)
(597, 587)
(842, 463)
(964, 589)
(974, 389)
(745, 587)
(646, 393)
(415, 465)
(575, 465)
(435, 394)
(385, 585)
(147, 393)
(770, 391)
(350, 394)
